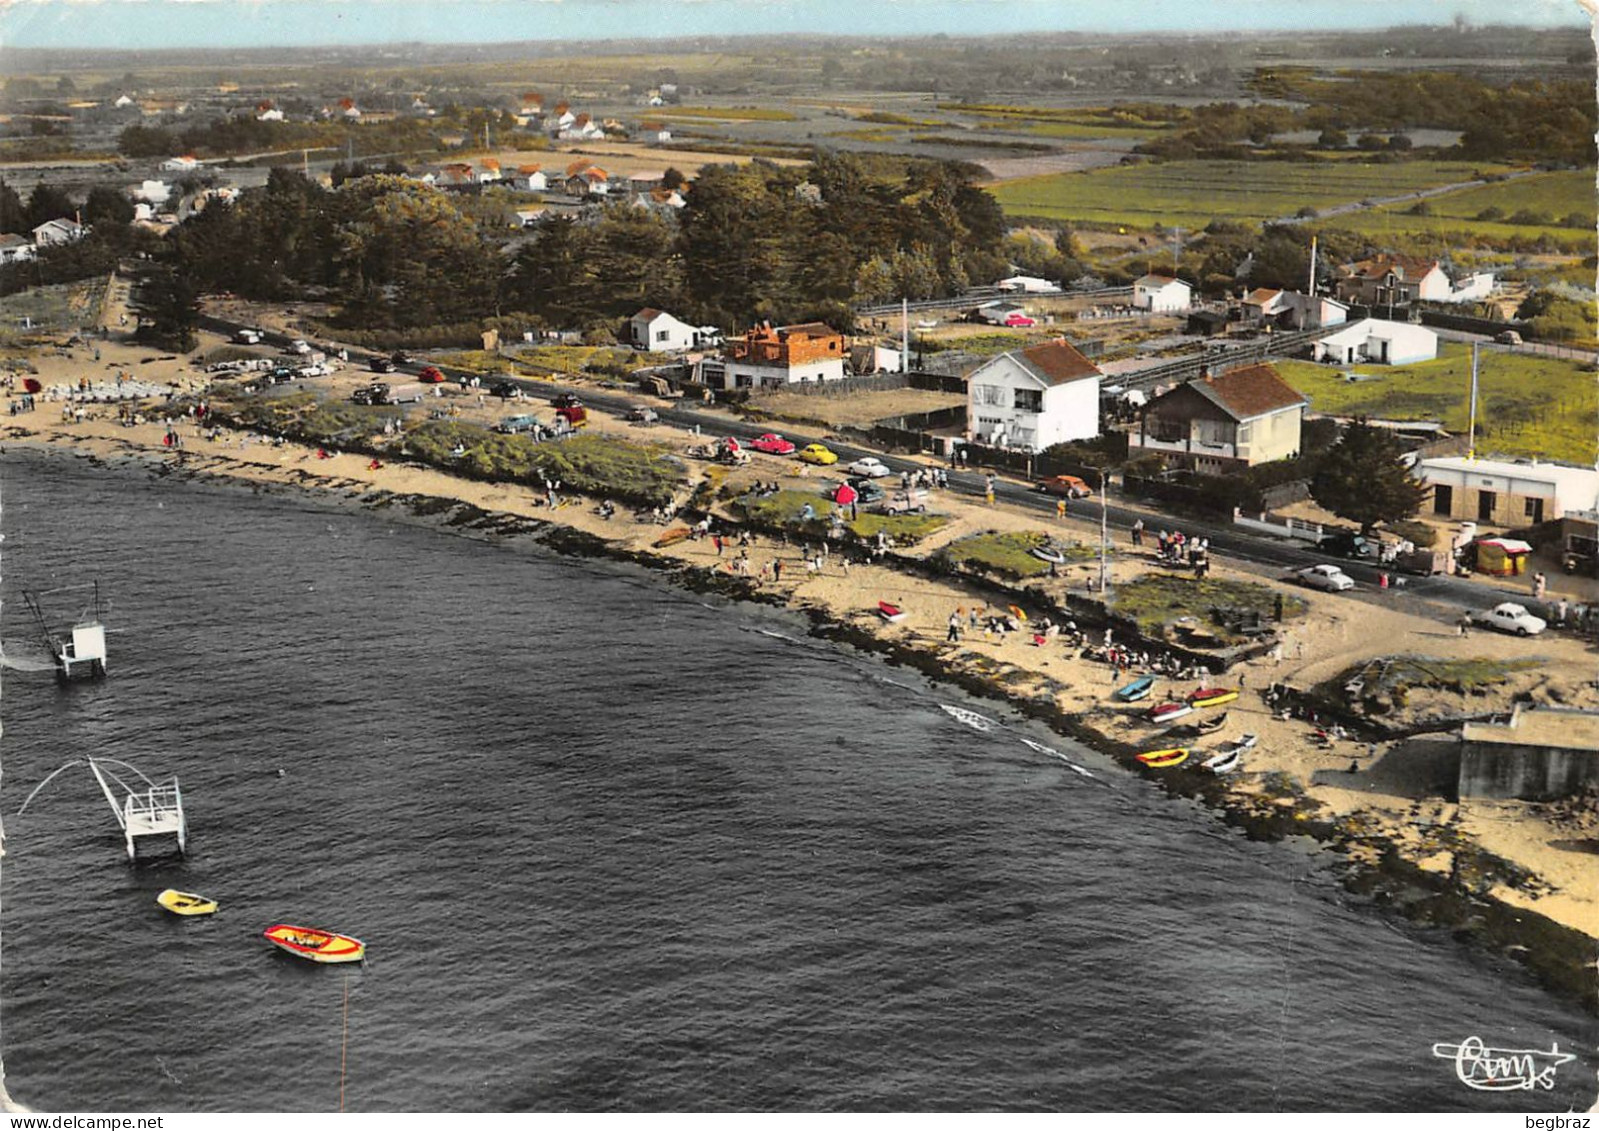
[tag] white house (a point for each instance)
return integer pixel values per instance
(530, 178)
(870, 358)
(487, 171)
(14, 249)
(1028, 285)
(1472, 288)
(58, 232)
(122, 102)
(1034, 397)
(188, 163)
(1376, 340)
(1161, 294)
(652, 329)
(1002, 313)
(151, 192)
(271, 114)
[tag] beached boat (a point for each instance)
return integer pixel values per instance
(1016, 611)
(1167, 712)
(672, 537)
(1049, 553)
(892, 613)
(315, 945)
(186, 902)
(1223, 761)
(1136, 690)
(1161, 759)
(1212, 724)
(1212, 696)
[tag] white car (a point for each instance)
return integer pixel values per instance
(300, 346)
(870, 467)
(1328, 577)
(1511, 617)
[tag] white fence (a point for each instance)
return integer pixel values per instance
(1287, 528)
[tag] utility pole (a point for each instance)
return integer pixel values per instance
(904, 335)
(1471, 428)
(1104, 540)
(1176, 248)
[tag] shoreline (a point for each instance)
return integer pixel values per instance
(1378, 865)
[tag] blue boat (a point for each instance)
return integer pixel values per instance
(1136, 690)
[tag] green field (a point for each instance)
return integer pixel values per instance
(1192, 193)
(727, 113)
(1527, 405)
(1552, 196)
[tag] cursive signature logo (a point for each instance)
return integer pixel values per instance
(1502, 1070)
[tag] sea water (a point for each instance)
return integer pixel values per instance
(614, 846)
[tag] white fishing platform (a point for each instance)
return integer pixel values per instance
(151, 818)
(83, 652)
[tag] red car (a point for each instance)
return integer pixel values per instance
(773, 445)
(1020, 321)
(430, 375)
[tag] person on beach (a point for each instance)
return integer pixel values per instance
(1464, 624)
(1538, 583)
(988, 489)
(954, 627)
(1138, 532)
(777, 569)
(716, 540)
(1060, 508)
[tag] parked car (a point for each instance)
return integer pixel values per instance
(643, 414)
(300, 346)
(380, 365)
(818, 453)
(505, 390)
(513, 425)
(1511, 617)
(566, 400)
(1328, 577)
(1349, 544)
(1508, 338)
(400, 357)
(1020, 321)
(870, 467)
(905, 502)
(773, 445)
(1068, 485)
(866, 491)
(247, 337)
(431, 375)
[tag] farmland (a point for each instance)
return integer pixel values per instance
(1192, 193)
(1528, 405)
(1528, 206)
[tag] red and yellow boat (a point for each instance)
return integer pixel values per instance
(315, 945)
(1212, 696)
(1161, 759)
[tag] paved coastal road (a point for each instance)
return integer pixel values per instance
(1443, 597)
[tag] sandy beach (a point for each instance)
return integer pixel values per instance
(1374, 796)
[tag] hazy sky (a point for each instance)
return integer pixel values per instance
(241, 23)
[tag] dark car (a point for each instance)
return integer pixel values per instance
(380, 365)
(400, 357)
(505, 390)
(868, 490)
(1347, 544)
(566, 400)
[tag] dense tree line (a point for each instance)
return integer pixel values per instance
(754, 242)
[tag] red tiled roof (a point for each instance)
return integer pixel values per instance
(1252, 390)
(528, 170)
(1157, 279)
(1055, 363)
(649, 313)
(1409, 267)
(576, 167)
(1260, 296)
